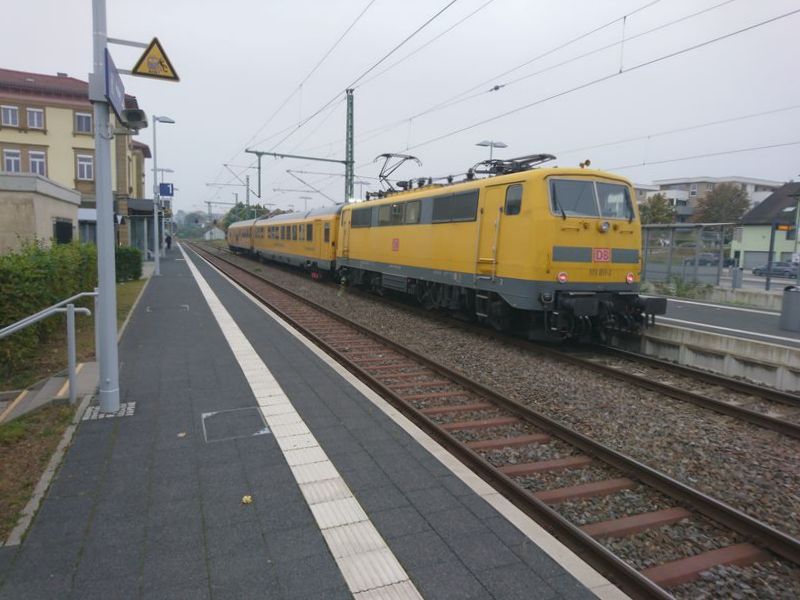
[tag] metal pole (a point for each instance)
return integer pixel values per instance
(73, 378)
(106, 269)
(645, 251)
(157, 270)
(721, 253)
(669, 254)
(348, 151)
(146, 243)
(769, 256)
(247, 191)
(96, 323)
(698, 242)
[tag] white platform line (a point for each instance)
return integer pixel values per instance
(366, 567)
(731, 330)
(571, 562)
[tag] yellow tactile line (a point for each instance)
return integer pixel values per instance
(366, 562)
(571, 562)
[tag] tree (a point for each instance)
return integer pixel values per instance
(242, 212)
(657, 210)
(726, 203)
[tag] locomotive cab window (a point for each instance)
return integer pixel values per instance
(615, 201)
(513, 199)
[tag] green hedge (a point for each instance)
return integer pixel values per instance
(33, 279)
(129, 263)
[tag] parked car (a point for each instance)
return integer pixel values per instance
(779, 269)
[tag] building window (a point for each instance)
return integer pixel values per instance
(35, 118)
(693, 189)
(85, 167)
(10, 116)
(83, 122)
(12, 161)
(37, 163)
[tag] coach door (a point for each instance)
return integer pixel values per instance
(344, 232)
(489, 224)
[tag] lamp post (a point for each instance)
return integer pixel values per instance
(156, 196)
(305, 200)
(492, 145)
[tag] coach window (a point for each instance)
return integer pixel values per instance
(326, 233)
(310, 232)
(513, 199)
(283, 232)
(412, 212)
(301, 233)
(294, 233)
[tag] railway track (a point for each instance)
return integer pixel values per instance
(592, 497)
(758, 405)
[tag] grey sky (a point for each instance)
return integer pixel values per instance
(238, 60)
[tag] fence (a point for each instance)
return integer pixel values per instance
(692, 252)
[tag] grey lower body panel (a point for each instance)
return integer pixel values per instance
(296, 260)
(519, 293)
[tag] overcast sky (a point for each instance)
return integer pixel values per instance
(239, 60)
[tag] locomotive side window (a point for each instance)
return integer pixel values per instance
(455, 207)
(361, 217)
(513, 199)
(385, 214)
(412, 212)
(615, 201)
(570, 197)
(310, 232)
(397, 214)
(326, 233)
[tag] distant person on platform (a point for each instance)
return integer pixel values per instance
(169, 241)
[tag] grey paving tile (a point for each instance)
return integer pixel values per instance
(168, 569)
(508, 533)
(103, 559)
(456, 522)
(308, 577)
(381, 498)
(482, 550)
(538, 560)
(421, 549)
(236, 539)
(398, 522)
(515, 582)
(105, 587)
(448, 581)
(39, 588)
(184, 591)
(478, 506)
(432, 499)
(296, 543)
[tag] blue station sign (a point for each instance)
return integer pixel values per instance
(165, 189)
(115, 91)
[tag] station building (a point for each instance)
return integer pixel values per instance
(46, 148)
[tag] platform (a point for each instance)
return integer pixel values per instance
(349, 499)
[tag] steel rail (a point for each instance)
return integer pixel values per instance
(753, 417)
(601, 558)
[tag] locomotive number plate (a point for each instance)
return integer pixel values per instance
(601, 254)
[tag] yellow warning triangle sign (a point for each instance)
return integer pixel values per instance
(154, 63)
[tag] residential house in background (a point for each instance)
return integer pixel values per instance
(750, 246)
(684, 193)
(47, 131)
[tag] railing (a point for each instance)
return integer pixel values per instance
(70, 310)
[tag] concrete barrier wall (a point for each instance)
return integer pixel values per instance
(756, 298)
(769, 364)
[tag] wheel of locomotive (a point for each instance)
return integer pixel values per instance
(424, 294)
(500, 315)
(375, 284)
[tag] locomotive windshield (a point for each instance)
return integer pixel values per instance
(580, 198)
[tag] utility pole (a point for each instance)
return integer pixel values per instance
(107, 353)
(247, 189)
(348, 151)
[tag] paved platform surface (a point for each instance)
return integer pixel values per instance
(756, 324)
(150, 505)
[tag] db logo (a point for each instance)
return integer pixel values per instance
(395, 244)
(601, 254)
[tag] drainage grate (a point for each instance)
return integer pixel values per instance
(233, 424)
(126, 409)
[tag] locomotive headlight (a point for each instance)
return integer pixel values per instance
(629, 278)
(603, 226)
(562, 277)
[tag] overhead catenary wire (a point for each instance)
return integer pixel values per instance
(365, 73)
(608, 77)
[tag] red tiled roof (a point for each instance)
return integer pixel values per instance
(145, 149)
(39, 84)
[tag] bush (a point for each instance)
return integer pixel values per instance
(33, 279)
(129, 263)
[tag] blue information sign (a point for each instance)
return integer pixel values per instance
(115, 91)
(165, 189)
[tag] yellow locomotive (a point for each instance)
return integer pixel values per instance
(547, 251)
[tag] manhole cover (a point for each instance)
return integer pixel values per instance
(233, 424)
